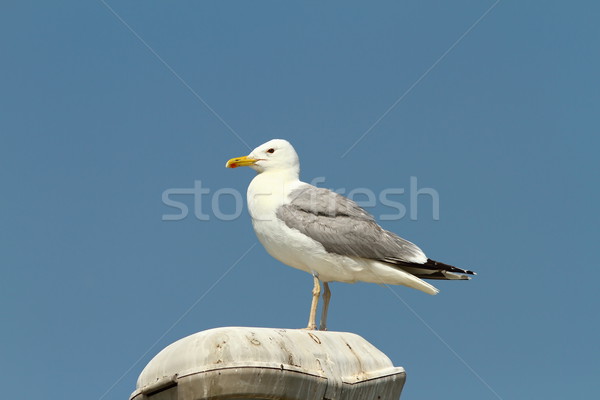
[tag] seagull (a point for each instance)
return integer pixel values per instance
(326, 234)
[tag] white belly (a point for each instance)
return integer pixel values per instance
(299, 251)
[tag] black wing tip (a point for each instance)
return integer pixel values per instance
(469, 272)
(448, 267)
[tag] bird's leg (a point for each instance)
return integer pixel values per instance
(312, 324)
(326, 298)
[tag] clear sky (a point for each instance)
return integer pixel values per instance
(495, 109)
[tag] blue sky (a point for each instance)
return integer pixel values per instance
(499, 117)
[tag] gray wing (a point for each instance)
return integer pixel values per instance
(344, 228)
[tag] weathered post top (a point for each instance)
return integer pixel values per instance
(267, 363)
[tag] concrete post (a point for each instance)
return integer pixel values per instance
(267, 363)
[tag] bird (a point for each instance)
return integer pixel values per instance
(326, 234)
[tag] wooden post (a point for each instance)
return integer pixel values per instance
(268, 363)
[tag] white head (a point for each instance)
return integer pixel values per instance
(275, 155)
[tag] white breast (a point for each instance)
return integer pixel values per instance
(266, 193)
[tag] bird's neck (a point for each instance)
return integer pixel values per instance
(285, 174)
(269, 189)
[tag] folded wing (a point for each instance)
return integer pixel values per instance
(344, 228)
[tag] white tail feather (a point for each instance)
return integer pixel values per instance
(382, 273)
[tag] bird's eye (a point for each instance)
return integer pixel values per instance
(271, 150)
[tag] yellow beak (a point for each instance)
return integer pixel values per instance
(240, 162)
